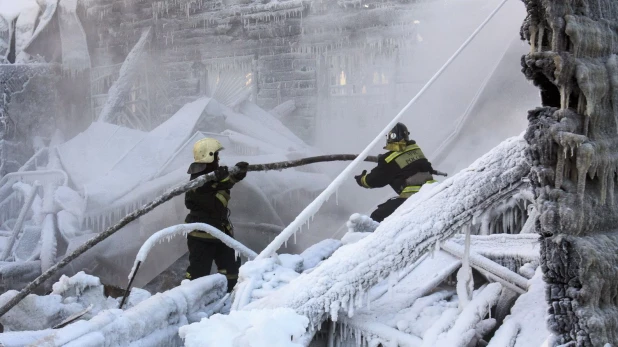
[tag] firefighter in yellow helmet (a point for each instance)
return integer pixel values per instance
(404, 167)
(208, 204)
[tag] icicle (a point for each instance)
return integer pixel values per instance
(351, 306)
(559, 170)
(610, 186)
(584, 161)
(603, 177)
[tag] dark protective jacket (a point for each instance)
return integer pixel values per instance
(404, 171)
(208, 203)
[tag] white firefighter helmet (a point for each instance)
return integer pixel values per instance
(204, 150)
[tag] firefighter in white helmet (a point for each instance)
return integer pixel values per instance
(208, 204)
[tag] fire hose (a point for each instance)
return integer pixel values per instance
(196, 183)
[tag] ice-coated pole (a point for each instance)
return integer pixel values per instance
(315, 205)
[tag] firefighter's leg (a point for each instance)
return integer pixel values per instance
(201, 254)
(386, 209)
(228, 265)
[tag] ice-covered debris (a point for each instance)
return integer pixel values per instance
(526, 325)
(262, 277)
(247, 144)
(425, 312)
(68, 225)
(291, 261)
(153, 322)
(259, 130)
(87, 290)
(375, 333)
(15, 275)
(313, 255)
(70, 201)
(353, 237)
(411, 285)
(361, 224)
(94, 143)
(27, 246)
(464, 329)
(280, 327)
(136, 296)
(75, 286)
(465, 285)
(49, 242)
(129, 72)
(23, 188)
(285, 109)
(70, 295)
(146, 157)
(9, 10)
(34, 312)
(26, 12)
(527, 270)
(430, 216)
(37, 210)
(254, 112)
(488, 267)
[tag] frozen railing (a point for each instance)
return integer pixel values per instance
(11, 201)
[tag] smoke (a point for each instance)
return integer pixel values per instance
(477, 103)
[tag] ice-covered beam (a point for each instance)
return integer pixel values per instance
(383, 332)
(429, 217)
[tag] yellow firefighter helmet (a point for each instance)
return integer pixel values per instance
(204, 150)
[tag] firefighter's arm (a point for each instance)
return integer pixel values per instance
(222, 181)
(379, 177)
(231, 179)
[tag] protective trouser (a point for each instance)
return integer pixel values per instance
(386, 209)
(203, 251)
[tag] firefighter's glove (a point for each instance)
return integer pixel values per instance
(221, 173)
(242, 170)
(359, 179)
(242, 166)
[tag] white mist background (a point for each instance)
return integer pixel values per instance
(492, 61)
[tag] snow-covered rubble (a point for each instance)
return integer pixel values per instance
(280, 327)
(263, 277)
(70, 295)
(526, 326)
(149, 321)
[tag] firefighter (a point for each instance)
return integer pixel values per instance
(404, 167)
(208, 204)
